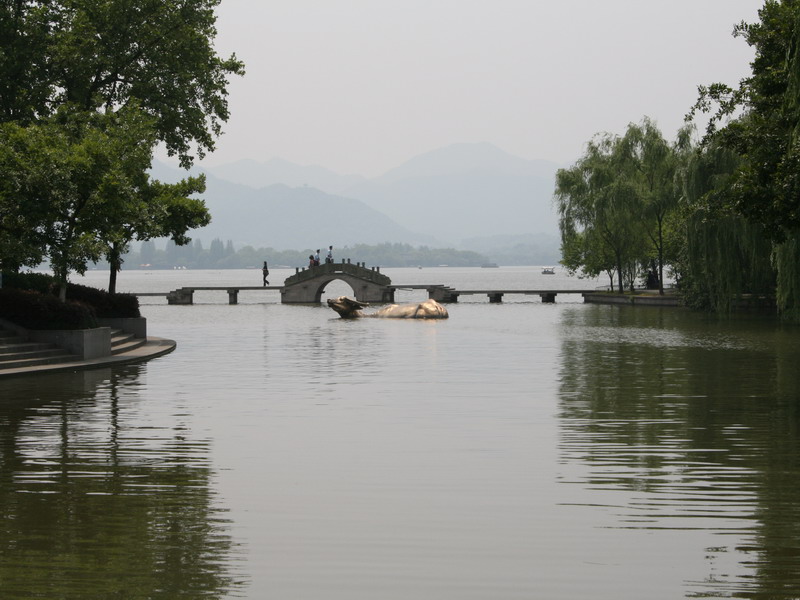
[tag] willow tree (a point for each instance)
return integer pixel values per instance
(725, 255)
(599, 207)
(582, 255)
(762, 117)
(651, 164)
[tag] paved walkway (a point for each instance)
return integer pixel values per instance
(153, 348)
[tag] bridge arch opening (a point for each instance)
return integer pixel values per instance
(336, 288)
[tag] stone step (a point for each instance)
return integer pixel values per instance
(29, 354)
(16, 351)
(10, 337)
(22, 346)
(118, 334)
(124, 342)
(29, 350)
(120, 338)
(15, 363)
(118, 347)
(44, 353)
(128, 346)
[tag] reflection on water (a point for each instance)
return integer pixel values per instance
(514, 451)
(99, 501)
(694, 425)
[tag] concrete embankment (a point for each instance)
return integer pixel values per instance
(633, 299)
(152, 348)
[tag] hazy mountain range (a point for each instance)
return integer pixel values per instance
(467, 196)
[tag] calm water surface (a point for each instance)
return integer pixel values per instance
(520, 450)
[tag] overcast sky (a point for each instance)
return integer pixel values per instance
(360, 86)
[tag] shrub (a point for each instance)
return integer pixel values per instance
(47, 315)
(37, 282)
(33, 310)
(105, 304)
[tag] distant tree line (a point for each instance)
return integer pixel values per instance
(720, 214)
(221, 255)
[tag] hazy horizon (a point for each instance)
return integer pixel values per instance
(361, 86)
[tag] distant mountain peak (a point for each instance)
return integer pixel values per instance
(464, 190)
(466, 157)
(260, 174)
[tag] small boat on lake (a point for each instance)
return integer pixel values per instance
(489, 266)
(548, 271)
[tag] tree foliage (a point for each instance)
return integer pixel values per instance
(78, 182)
(726, 256)
(102, 55)
(652, 164)
(87, 89)
(759, 121)
(765, 188)
(159, 210)
(615, 199)
(725, 216)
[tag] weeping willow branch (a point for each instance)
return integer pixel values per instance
(786, 257)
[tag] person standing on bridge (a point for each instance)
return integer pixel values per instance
(265, 273)
(316, 258)
(329, 258)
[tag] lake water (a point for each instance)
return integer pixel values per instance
(515, 450)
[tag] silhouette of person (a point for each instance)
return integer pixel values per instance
(316, 258)
(329, 258)
(310, 260)
(265, 273)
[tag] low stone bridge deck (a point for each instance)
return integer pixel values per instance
(307, 285)
(185, 295)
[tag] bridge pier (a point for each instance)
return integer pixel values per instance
(495, 297)
(233, 296)
(181, 296)
(549, 297)
(443, 294)
(374, 294)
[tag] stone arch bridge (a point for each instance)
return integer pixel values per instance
(307, 285)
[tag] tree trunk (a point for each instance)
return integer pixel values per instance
(61, 277)
(660, 258)
(115, 265)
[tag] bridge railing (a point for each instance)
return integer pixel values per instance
(346, 267)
